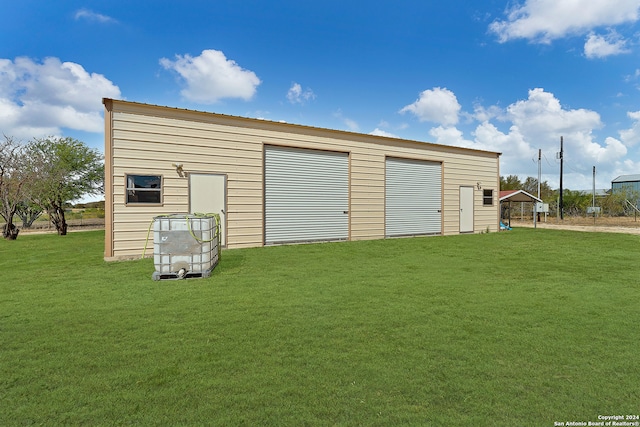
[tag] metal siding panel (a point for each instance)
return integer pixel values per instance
(306, 195)
(413, 200)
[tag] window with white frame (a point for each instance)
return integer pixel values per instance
(145, 189)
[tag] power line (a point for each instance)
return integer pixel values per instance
(572, 169)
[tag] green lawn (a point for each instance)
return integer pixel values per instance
(519, 328)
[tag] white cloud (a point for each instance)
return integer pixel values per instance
(545, 20)
(631, 137)
(537, 122)
(38, 99)
(383, 124)
(625, 167)
(93, 16)
(631, 77)
(541, 115)
(513, 145)
(380, 132)
(296, 95)
(449, 135)
(612, 151)
(542, 120)
(483, 114)
(211, 77)
(351, 125)
(602, 46)
(438, 105)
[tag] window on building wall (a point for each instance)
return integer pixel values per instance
(487, 197)
(144, 189)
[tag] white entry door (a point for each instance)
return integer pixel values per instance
(466, 209)
(207, 195)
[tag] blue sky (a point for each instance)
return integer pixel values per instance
(507, 76)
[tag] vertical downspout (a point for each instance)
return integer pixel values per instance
(108, 178)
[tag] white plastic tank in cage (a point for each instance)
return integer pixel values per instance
(185, 245)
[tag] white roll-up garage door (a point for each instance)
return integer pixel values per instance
(413, 197)
(306, 195)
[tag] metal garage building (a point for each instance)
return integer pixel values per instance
(275, 183)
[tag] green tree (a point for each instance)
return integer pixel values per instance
(13, 184)
(530, 185)
(547, 193)
(620, 201)
(67, 169)
(512, 182)
(28, 212)
(575, 202)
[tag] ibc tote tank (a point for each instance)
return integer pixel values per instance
(185, 245)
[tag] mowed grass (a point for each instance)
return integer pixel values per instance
(525, 327)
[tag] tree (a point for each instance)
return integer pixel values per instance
(620, 202)
(512, 182)
(530, 185)
(67, 169)
(13, 184)
(575, 202)
(28, 213)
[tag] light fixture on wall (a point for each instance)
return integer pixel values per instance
(479, 185)
(181, 173)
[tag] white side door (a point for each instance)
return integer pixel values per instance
(207, 194)
(466, 209)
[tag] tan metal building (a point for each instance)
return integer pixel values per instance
(275, 183)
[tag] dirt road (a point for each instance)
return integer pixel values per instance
(602, 225)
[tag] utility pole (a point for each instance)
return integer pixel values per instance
(560, 205)
(539, 169)
(593, 203)
(535, 204)
(539, 176)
